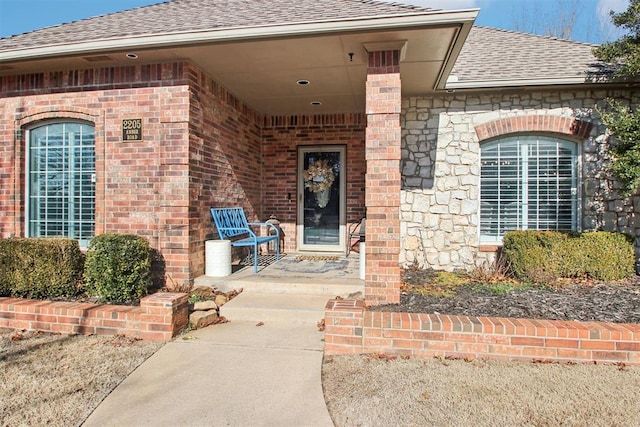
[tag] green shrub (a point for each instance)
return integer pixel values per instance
(118, 268)
(609, 256)
(45, 268)
(6, 267)
(544, 256)
(533, 255)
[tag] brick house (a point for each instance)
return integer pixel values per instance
(445, 135)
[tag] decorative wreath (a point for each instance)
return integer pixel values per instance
(319, 176)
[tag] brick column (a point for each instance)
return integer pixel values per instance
(382, 280)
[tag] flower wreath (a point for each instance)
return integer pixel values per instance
(319, 176)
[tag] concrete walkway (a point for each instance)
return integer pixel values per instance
(233, 374)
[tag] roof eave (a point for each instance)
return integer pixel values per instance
(454, 51)
(423, 19)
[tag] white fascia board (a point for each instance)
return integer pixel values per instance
(452, 55)
(479, 84)
(423, 19)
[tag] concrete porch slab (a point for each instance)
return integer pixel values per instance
(294, 289)
(292, 274)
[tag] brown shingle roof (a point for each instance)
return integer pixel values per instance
(193, 15)
(491, 54)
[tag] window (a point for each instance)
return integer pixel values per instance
(61, 181)
(527, 182)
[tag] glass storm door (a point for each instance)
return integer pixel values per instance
(321, 199)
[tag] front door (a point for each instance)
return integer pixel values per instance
(321, 199)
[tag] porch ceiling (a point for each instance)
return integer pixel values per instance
(263, 72)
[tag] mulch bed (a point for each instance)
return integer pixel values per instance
(586, 301)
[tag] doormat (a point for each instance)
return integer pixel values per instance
(312, 264)
(317, 258)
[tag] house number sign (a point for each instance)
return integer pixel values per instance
(132, 130)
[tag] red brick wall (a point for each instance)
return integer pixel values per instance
(202, 147)
(10, 178)
(224, 154)
(92, 79)
(281, 138)
(351, 329)
(383, 180)
(142, 186)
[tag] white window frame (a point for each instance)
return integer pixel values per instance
(522, 140)
(71, 176)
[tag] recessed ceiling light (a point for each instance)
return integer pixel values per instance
(132, 56)
(303, 82)
(316, 103)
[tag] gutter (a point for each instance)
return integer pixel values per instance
(428, 19)
(479, 84)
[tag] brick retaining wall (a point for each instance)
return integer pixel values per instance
(160, 316)
(351, 329)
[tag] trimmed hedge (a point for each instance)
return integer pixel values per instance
(47, 268)
(543, 256)
(118, 268)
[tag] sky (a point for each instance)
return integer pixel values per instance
(591, 16)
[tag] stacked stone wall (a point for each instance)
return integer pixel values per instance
(441, 141)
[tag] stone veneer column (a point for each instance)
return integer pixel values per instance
(383, 178)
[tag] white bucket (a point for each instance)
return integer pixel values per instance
(363, 263)
(217, 258)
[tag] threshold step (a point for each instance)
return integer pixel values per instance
(273, 307)
(330, 288)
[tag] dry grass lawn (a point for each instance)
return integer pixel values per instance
(370, 391)
(57, 380)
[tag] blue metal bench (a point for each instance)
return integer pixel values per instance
(232, 223)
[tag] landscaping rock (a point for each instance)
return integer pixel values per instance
(221, 300)
(205, 313)
(205, 305)
(204, 292)
(200, 319)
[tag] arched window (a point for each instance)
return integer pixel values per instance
(61, 181)
(527, 182)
